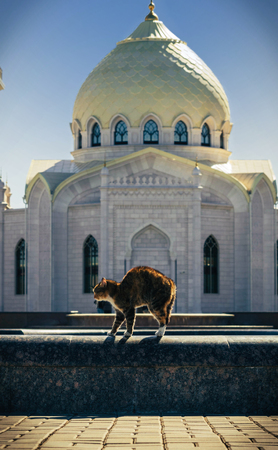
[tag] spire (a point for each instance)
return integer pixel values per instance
(151, 15)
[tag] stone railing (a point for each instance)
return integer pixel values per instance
(149, 181)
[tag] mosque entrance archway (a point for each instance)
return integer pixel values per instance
(151, 247)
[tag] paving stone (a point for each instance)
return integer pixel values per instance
(57, 444)
(120, 440)
(92, 447)
(61, 437)
(180, 446)
(270, 447)
(244, 448)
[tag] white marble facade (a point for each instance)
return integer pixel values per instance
(148, 204)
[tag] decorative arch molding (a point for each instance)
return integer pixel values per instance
(210, 121)
(167, 251)
(34, 184)
(89, 125)
(141, 229)
(235, 192)
(208, 190)
(226, 129)
(113, 122)
(158, 121)
(76, 128)
(267, 183)
(189, 124)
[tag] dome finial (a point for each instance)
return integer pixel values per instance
(151, 15)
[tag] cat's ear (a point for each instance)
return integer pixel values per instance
(103, 282)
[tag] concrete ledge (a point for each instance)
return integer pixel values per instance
(182, 375)
(47, 319)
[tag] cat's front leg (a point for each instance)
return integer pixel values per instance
(130, 319)
(120, 317)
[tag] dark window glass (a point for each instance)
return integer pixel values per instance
(20, 268)
(79, 139)
(121, 134)
(151, 133)
(222, 140)
(90, 252)
(211, 266)
(181, 134)
(95, 136)
(205, 136)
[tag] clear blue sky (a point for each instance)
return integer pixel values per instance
(48, 47)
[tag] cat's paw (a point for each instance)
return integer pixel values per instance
(109, 333)
(161, 331)
(127, 334)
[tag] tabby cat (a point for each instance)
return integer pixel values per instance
(140, 286)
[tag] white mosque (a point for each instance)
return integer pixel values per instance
(150, 182)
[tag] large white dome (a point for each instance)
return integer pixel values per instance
(152, 71)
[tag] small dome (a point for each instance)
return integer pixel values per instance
(152, 71)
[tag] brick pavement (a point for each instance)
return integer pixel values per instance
(138, 432)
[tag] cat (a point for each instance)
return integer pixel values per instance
(140, 286)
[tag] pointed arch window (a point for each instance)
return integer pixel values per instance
(96, 136)
(205, 138)
(79, 141)
(121, 134)
(151, 133)
(90, 256)
(181, 134)
(222, 140)
(20, 268)
(211, 266)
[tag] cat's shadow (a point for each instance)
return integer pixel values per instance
(151, 340)
(110, 340)
(146, 340)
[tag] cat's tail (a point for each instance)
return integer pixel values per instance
(172, 301)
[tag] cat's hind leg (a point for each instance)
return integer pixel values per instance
(119, 319)
(170, 307)
(161, 316)
(130, 319)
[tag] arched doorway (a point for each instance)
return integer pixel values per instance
(150, 247)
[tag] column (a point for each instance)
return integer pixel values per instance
(3, 205)
(104, 223)
(194, 304)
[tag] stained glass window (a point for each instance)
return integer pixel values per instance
(90, 252)
(211, 266)
(205, 138)
(181, 135)
(121, 133)
(20, 267)
(151, 133)
(95, 136)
